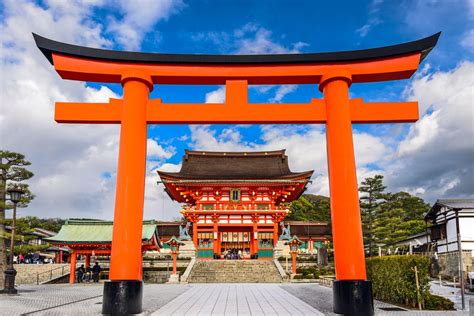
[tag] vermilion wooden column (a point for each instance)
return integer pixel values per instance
(275, 232)
(255, 219)
(88, 261)
(195, 234)
(293, 266)
(175, 256)
(345, 214)
(215, 232)
(72, 269)
(126, 261)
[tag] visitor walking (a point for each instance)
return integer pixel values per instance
(80, 273)
(95, 272)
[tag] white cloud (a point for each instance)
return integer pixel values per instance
(74, 165)
(138, 18)
(468, 40)
(434, 160)
(158, 204)
(216, 96)
(156, 151)
(282, 91)
(373, 12)
(250, 39)
(254, 39)
(305, 146)
(438, 153)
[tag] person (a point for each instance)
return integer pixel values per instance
(15, 259)
(88, 273)
(95, 272)
(80, 274)
(239, 254)
(21, 258)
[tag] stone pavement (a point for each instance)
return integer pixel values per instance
(237, 299)
(182, 299)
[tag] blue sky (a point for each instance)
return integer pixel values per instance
(433, 158)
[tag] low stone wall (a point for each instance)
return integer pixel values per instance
(155, 276)
(33, 273)
(449, 265)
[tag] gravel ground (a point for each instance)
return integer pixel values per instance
(320, 297)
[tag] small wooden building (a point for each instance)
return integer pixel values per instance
(94, 238)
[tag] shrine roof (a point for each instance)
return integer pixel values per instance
(449, 204)
(227, 166)
(49, 47)
(169, 229)
(80, 231)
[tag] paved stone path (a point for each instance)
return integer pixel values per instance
(182, 299)
(237, 299)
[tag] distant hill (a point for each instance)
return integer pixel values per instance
(316, 199)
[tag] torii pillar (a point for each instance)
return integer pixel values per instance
(351, 286)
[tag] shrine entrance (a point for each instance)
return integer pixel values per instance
(235, 243)
(333, 72)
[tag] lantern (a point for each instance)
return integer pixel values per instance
(294, 244)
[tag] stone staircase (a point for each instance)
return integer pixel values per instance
(234, 271)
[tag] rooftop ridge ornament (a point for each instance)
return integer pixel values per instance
(334, 72)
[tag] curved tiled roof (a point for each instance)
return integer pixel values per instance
(263, 165)
(79, 231)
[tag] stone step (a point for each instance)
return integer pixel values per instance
(248, 271)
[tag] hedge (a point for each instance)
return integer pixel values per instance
(393, 280)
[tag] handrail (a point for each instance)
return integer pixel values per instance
(51, 272)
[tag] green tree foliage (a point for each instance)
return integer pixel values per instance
(370, 200)
(386, 217)
(12, 168)
(26, 225)
(389, 217)
(310, 208)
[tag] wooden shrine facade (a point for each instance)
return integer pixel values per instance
(235, 200)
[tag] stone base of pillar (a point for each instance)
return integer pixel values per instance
(174, 279)
(353, 297)
(10, 274)
(280, 249)
(122, 297)
(188, 250)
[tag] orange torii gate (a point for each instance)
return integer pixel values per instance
(139, 72)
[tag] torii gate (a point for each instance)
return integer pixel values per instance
(334, 72)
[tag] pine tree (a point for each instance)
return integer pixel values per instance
(11, 169)
(371, 197)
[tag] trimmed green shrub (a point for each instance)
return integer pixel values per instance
(393, 278)
(435, 302)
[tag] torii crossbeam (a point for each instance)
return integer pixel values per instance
(139, 72)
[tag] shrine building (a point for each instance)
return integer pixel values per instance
(237, 200)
